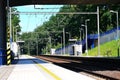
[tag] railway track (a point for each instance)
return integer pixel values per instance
(106, 70)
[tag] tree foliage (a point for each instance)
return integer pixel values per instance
(15, 23)
(72, 24)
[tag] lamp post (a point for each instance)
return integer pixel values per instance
(16, 34)
(98, 29)
(86, 35)
(81, 35)
(37, 44)
(50, 43)
(10, 23)
(9, 10)
(61, 44)
(116, 12)
(68, 34)
(64, 40)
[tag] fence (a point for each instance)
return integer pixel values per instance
(104, 37)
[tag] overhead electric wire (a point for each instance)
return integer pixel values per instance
(49, 13)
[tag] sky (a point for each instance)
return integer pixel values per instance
(30, 21)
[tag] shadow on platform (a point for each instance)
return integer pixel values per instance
(28, 61)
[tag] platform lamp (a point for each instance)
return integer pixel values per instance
(116, 12)
(86, 35)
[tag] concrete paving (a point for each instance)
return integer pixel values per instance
(31, 68)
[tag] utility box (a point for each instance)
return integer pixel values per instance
(77, 49)
(118, 52)
(52, 51)
(15, 49)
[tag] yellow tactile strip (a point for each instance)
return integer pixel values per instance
(47, 71)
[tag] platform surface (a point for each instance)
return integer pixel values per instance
(31, 68)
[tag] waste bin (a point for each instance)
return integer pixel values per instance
(118, 52)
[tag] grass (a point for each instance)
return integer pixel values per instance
(106, 49)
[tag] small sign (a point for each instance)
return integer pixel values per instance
(72, 39)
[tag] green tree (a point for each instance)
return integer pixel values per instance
(72, 24)
(16, 28)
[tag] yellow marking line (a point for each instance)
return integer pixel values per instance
(47, 71)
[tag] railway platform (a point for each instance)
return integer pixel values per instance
(31, 68)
